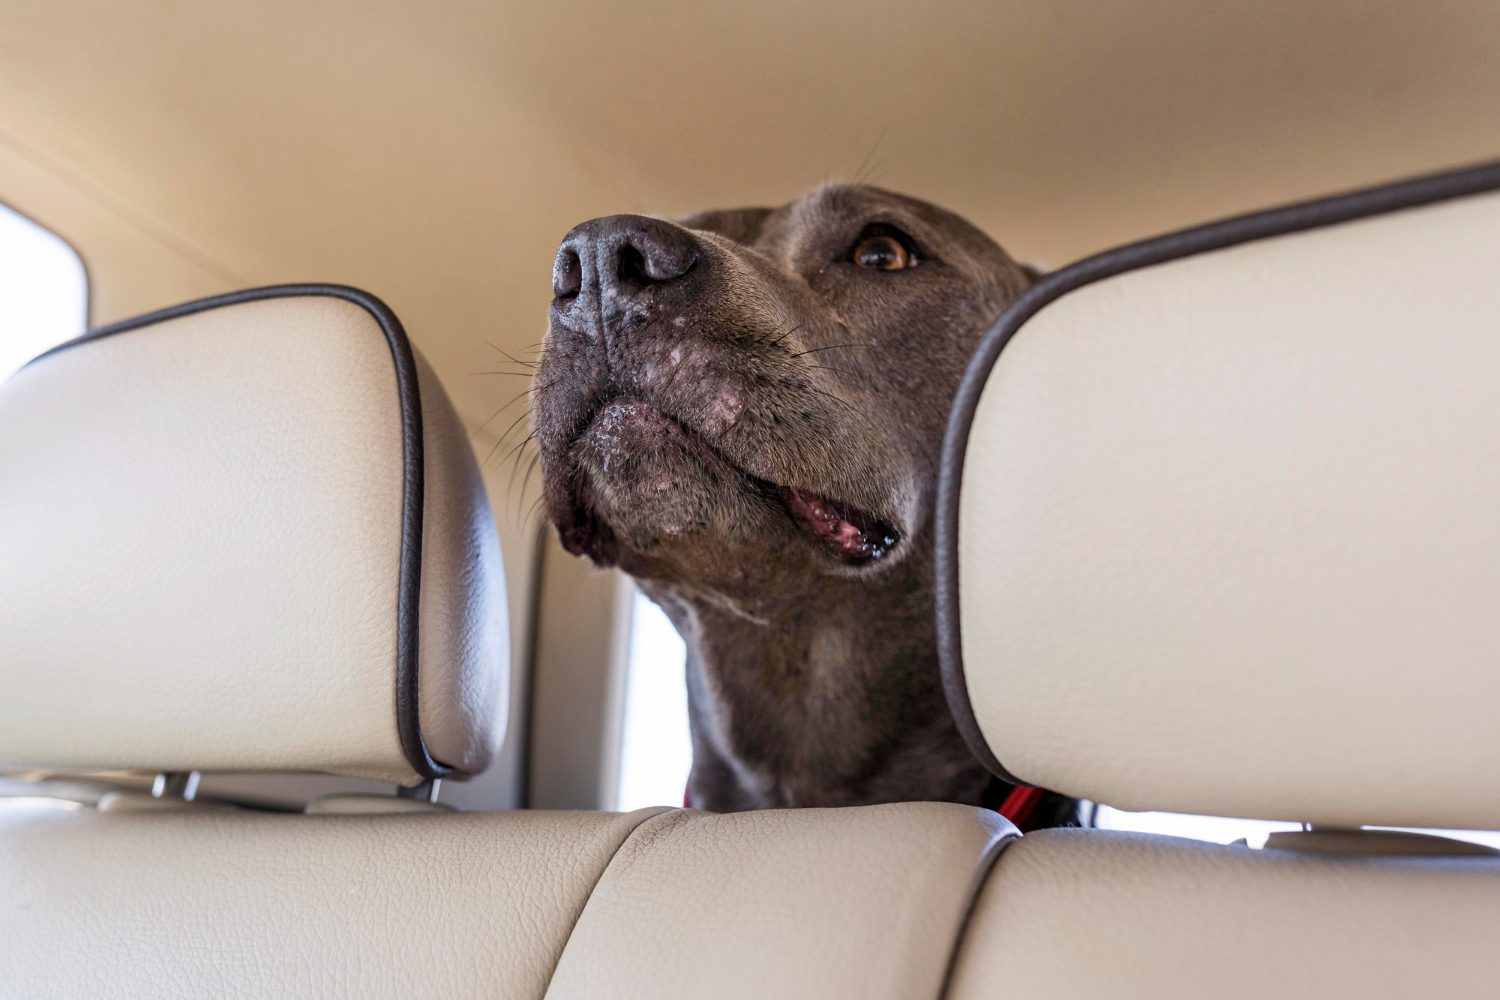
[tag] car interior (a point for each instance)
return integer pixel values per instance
(301, 696)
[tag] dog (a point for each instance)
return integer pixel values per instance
(743, 410)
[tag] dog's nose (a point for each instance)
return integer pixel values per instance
(620, 255)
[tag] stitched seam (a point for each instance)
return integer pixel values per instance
(982, 876)
(578, 917)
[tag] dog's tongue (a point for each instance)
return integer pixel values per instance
(851, 535)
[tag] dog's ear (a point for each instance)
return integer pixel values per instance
(743, 225)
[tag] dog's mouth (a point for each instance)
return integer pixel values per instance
(851, 536)
(847, 533)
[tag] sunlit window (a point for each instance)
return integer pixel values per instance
(656, 751)
(1224, 830)
(1214, 829)
(43, 291)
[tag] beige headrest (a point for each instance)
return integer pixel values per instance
(1220, 521)
(246, 534)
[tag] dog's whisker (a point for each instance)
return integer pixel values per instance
(511, 493)
(837, 399)
(509, 356)
(516, 453)
(514, 424)
(859, 172)
(534, 510)
(834, 347)
(541, 390)
(516, 449)
(877, 169)
(530, 468)
(761, 340)
(491, 454)
(774, 331)
(491, 418)
(786, 335)
(514, 456)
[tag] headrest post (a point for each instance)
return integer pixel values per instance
(181, 785)
(427, 791)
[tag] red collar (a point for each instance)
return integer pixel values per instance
(1020, 805)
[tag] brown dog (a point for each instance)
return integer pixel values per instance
(743, 411)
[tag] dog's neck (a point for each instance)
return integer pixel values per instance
(769, 685)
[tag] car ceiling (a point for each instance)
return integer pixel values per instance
(434, 153)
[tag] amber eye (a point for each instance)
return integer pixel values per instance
(883, 252)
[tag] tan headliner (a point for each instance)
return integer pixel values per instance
(434, 153)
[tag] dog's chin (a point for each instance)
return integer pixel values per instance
(643, 484)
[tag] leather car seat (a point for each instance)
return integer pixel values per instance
(1220, 533)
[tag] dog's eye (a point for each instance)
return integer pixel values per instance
(883, 249)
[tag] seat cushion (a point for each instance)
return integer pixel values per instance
(812, 903)
(1089, 913)
(817, 903)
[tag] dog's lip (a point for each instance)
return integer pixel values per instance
(847, 533)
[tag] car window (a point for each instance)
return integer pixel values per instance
(655, 751)
(43, 291)
(1226, 830)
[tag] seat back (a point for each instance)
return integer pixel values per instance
(1218, 535)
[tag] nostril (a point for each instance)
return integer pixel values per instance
(632, 268)
(653, 262)
(567, 275)
(621, 255)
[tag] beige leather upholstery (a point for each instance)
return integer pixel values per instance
(464, 652)
(855, 903)
(232, 533)
(1095, 914)
(1228, 538)
(786, 903)
(1275, 489)
(194, 905)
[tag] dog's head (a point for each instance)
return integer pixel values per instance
(751, 400)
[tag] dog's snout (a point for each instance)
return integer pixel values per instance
(620, 255)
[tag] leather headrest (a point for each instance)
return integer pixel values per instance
(1219, 529)
(246, 534)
